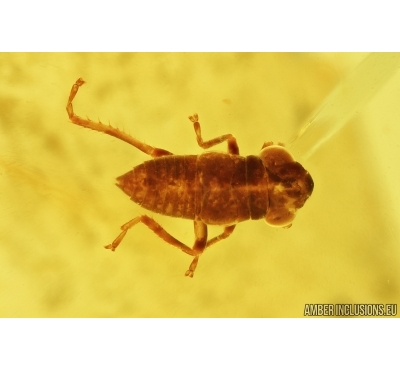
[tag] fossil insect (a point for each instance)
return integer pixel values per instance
(211, 188)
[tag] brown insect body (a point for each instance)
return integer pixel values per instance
(210, 189)
(215, 188)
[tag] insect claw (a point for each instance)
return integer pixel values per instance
(189, 273)
(110, 246)
(79, 81)
(194, 118)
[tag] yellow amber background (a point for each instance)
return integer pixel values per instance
(59, 205)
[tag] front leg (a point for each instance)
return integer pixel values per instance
(232, 144)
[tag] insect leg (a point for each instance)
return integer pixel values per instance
(232, 144)
(107, 129)
(199, 245)
(200, 232)
(227, 231)
(154, 226)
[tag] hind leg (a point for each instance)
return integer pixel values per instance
(107, 129)
(200, 231)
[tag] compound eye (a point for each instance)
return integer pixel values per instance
(280, 218)
(275, 155)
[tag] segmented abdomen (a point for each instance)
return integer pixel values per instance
(216, 188)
